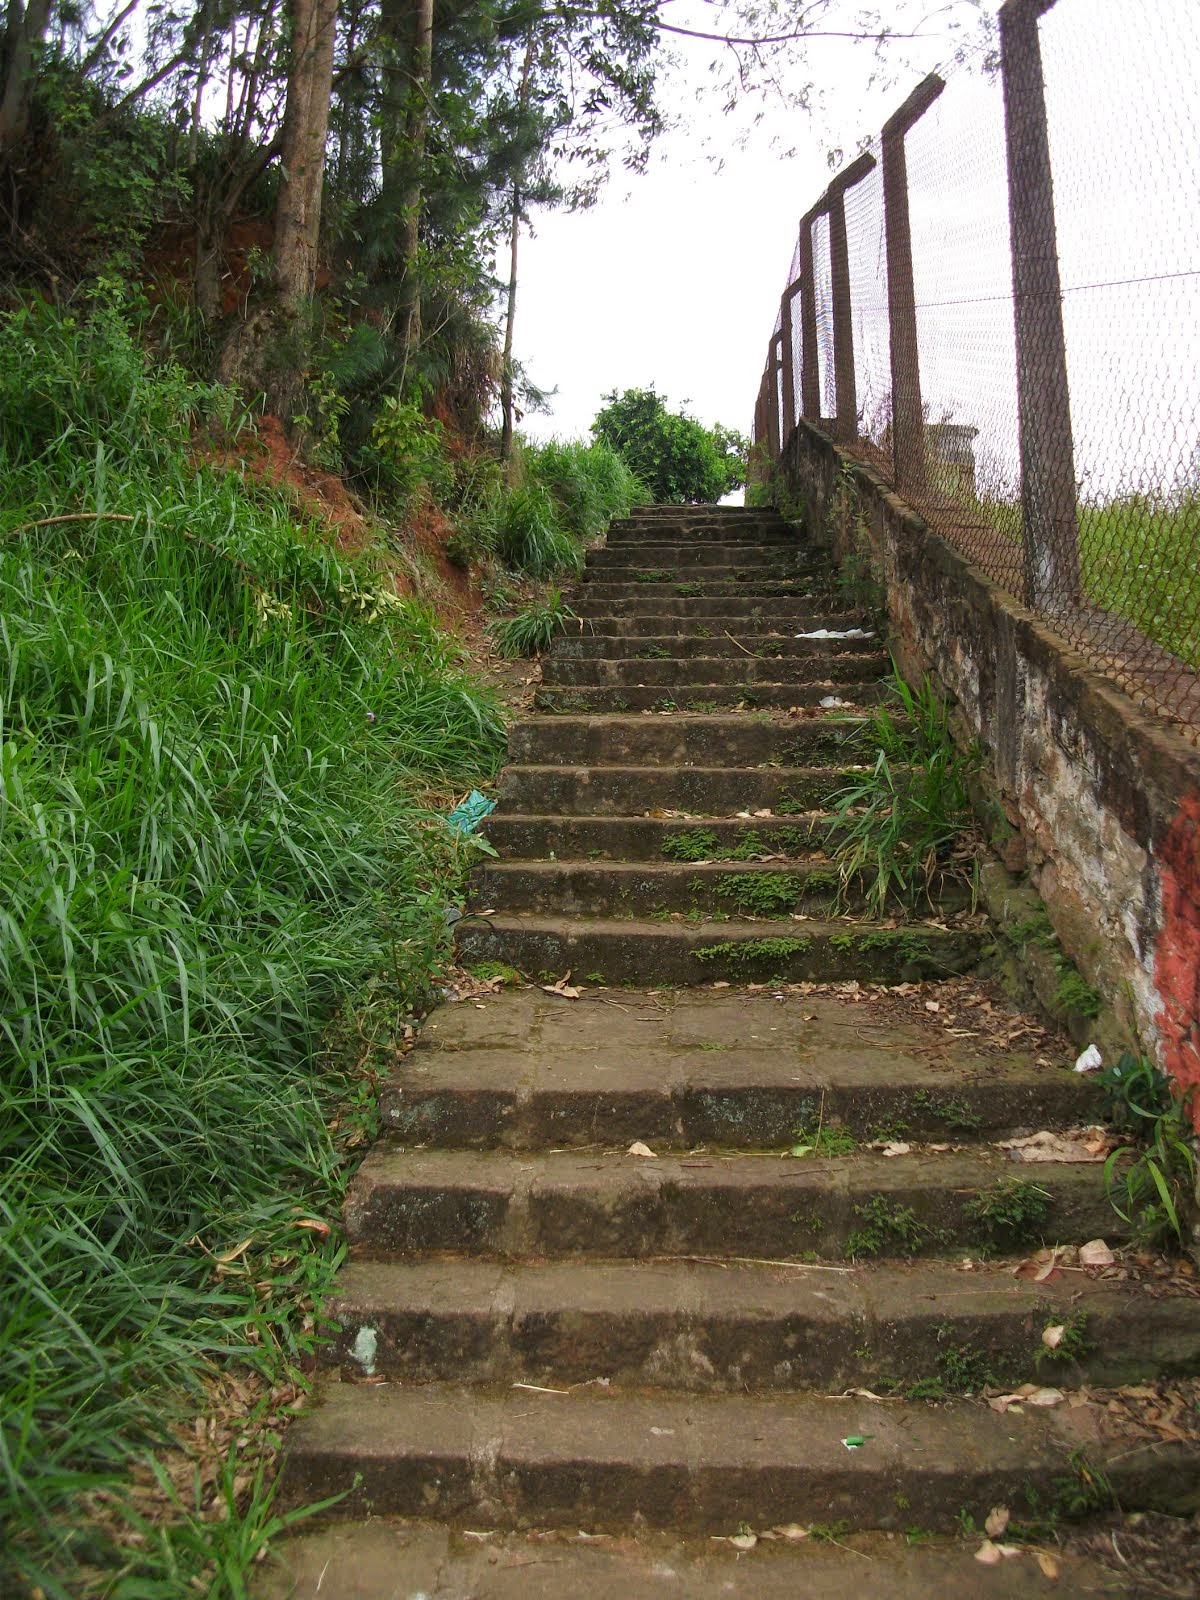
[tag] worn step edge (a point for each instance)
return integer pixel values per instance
(618, 951)
(522, 1206)
(632, 790)
(704, 1464)
(712, 1328)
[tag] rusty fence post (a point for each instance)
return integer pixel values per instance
(1048, 498)
(908, 419)
(845, 390)
(787, 347)
(771, 391)
(810, 368)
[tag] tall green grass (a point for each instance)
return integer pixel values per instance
(217, 744)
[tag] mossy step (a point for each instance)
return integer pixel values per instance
(709, 739)
(754, 640)
(656, 839)
(745, 952)
(688, 618)
(695, 555)
(757, 586)
(525, 1205)
(822, 660)
(634, 790)
(706, 892)
(526, 1068)
(715, 1328)
(854, 688)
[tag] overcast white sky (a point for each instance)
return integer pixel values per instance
(673, 277)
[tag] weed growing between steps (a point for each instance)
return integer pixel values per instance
(222, 750)
(899, 823)
(1150, 1184)
(532, 630)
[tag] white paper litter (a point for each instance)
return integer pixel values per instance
(1089, 1060)
(833, 633)
(831, 700)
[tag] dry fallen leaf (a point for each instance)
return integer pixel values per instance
(314, 1224)
(1095, 1254)
(997, 1521)
(932, 1005)
(562, 987)
(791, 1530)
(744, 1541)
(1052, 1337)
(637, 1148)
(895, 1147)
(988, 1553)
(1048, 1564)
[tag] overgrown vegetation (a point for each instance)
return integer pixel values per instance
(897, 826)
(533, 629)
(1009, 1214)
(222, 752)
(1151, 1182)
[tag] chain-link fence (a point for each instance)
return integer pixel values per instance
(997, 304)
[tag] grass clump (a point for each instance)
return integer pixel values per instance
(1150, 1183)
(898, 822)
(1010, 1213)
(222, 755)
(887, 1226)
(761, 894)
(532, 630)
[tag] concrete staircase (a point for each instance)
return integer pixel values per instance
(538, 1330)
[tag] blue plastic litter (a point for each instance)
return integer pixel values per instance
(469, 813)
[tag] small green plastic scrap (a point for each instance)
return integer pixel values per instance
(855, 1441)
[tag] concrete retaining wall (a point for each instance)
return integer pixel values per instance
(1095, 799)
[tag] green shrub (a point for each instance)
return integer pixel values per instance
(589, 483)
(529, 536)
(677, 458)
(407, 449)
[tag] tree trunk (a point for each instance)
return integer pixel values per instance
(23, 34)
(506, 371)
(305, 125)
(416, 124)
(266, 351)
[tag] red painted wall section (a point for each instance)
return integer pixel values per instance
(1177, 948)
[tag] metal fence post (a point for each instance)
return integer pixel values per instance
(908, 418)
(1048, 498)
(810, 370)
(846, 427)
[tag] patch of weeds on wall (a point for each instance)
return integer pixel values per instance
(888, 1228)
(858, 580)
(1072, 994)
(1151, 1180)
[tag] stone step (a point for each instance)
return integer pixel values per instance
(824, 660)
(636, 888)
(529, 1069)
(518, 1205)
(703, 1464)
(632, 534)
(683, 559)
(850, 691)
(712, 1328)
(699, 791)
(533, 835)
(440, 1563)
(688, 618)
(751, 585)
(720, 641)
(612, 950)
(688, 740)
